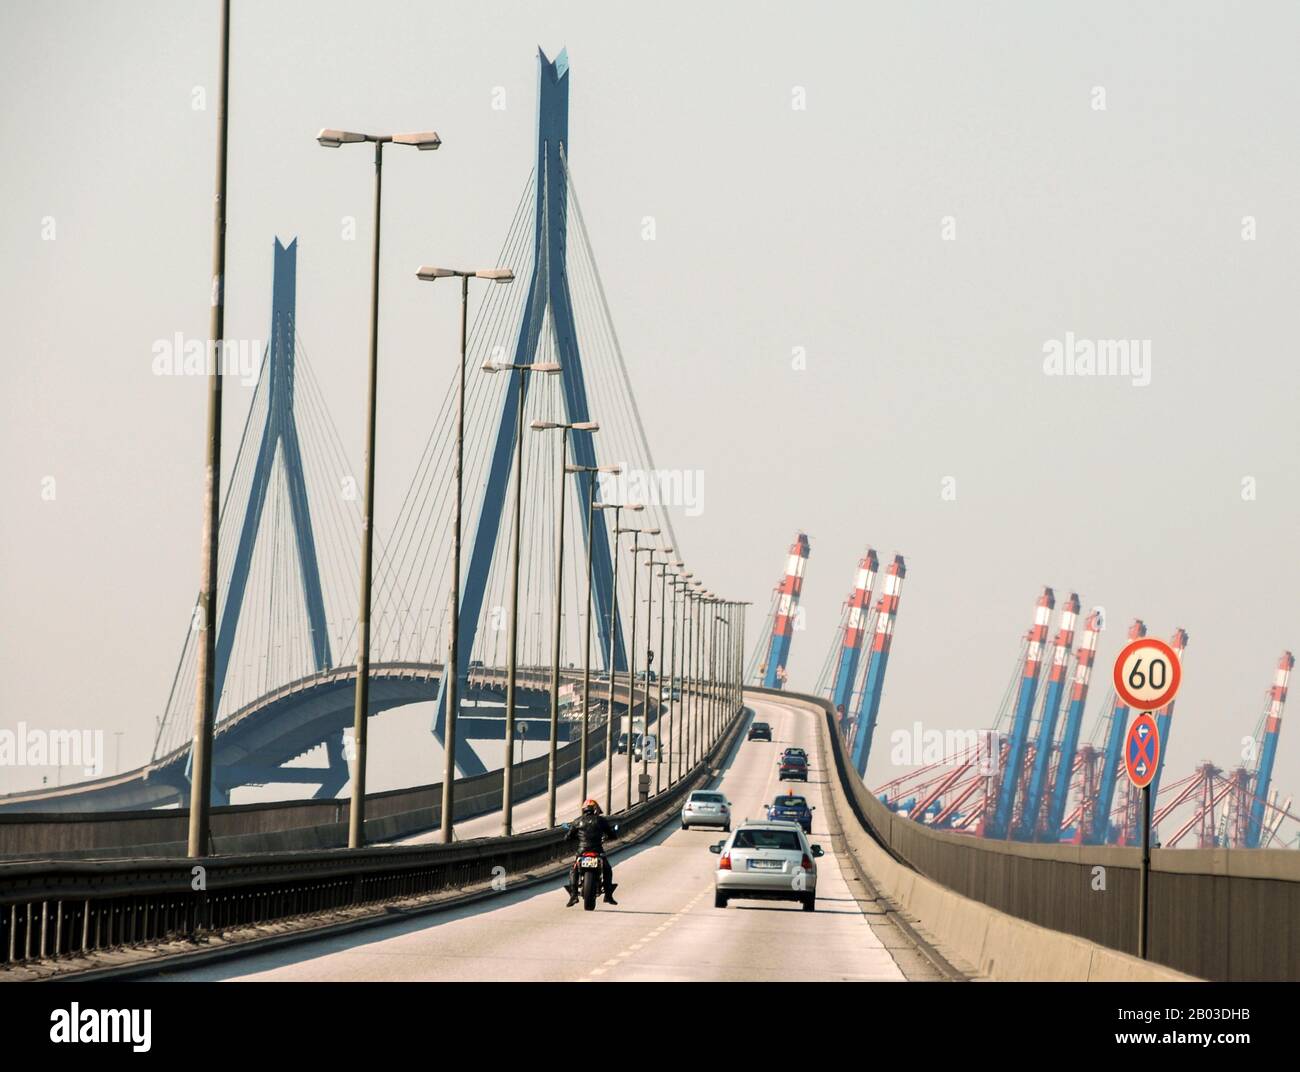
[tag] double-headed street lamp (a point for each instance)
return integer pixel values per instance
(508, 769)
(688, 667)
(618, 509)
(706, 677)
(591, 472)
(565, 429)
(737, 653)
(636, 535)
(651, 563)
(722, 639)
(697, 660)
(451, 669)
(676, 691)
(332, 139)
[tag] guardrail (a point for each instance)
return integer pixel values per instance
(287, 826)
(1215, 913)
(52, 909)
(282, 826)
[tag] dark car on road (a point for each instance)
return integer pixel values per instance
(759, 731)
(792, 768)
(791, 809)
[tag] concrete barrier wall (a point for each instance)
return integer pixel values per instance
(283, 826)
(1029, 911)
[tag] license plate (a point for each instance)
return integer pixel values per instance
(589, 861)
(765, 865)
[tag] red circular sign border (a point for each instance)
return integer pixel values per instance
(1155, 766)
(1122, 690)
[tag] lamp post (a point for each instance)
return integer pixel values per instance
(591, 471)
(735, 691)
(663, 665)
(724, 659)
(205, 700)
(697, 636)
(451, 669)
(688, 670)
(508, 768)
(332, 139)
(618, 509)
(651, 563)
(706, 666)
(675, 691)
(539, 426)
(636, 535)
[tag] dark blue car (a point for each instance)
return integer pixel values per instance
(793, 810)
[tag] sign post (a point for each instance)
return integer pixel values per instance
(1147, 676)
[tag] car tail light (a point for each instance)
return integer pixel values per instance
(725, 863)
(807, 862)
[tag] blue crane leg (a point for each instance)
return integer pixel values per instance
(1099, 832)
(1064, 767)
(869, 708)
(1042, 760)
(1015, 758)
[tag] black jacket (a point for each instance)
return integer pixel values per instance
(591, 832)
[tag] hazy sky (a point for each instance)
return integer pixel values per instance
(916, 198)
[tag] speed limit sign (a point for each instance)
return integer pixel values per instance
(1147, 674)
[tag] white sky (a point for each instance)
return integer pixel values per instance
(776, 228)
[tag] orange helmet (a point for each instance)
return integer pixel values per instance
(591, 805)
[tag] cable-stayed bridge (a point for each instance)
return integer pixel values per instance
(290, 528)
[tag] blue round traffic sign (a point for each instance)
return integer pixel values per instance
(1142, 750)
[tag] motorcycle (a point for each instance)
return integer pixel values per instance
(588, 875)
(590, 878)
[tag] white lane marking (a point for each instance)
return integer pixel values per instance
(649, 937)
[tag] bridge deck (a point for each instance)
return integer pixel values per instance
(665, 927)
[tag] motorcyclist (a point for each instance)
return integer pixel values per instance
(590, 830)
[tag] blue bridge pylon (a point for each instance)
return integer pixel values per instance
(548, 288)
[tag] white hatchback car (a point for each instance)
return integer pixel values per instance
(707, 807)
(770, 861)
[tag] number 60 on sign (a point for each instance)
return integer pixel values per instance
(1147, 674)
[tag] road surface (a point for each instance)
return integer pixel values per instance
(665, 927)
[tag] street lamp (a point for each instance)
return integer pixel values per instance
(651, 563)
(738, 654)
(721, 661)
(618, 509)
(591, 471)
(564, 429)
(697, 662)
(451, 669)
(332, 139)
(205, 700)
(631, 673)
(676, 692)
(508, 770)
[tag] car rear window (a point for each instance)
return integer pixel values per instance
(788, 802)
(708, 798)
(793, 759)
(760, 725)
(767, 839)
